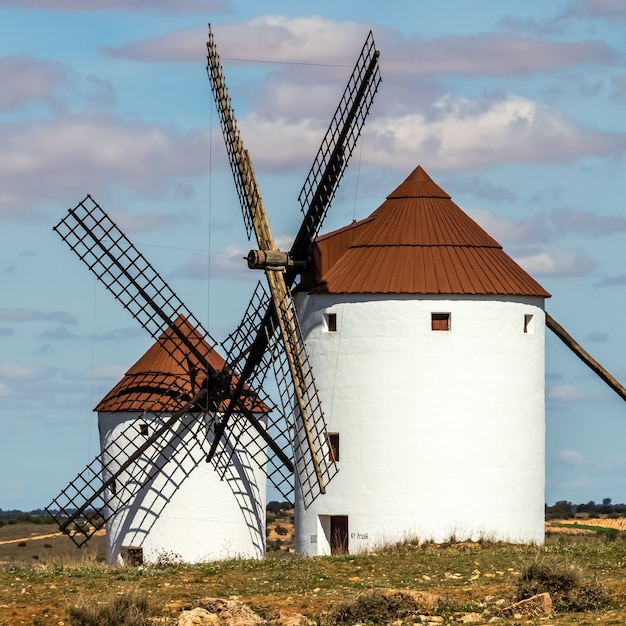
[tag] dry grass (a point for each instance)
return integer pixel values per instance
(42, 544)
(618, 523)
(471, 576)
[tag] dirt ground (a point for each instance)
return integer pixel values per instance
(42, 575)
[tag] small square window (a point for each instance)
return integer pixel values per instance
(331, 322)
(333, 447)
(440, 321)
(144, 429)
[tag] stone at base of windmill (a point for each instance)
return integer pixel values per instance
(540, 604)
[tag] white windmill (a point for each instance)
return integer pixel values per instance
(174, 508)
(182, 402)
(427, 342)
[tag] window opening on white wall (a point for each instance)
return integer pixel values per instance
(330, 322)
(333, 446)
(529, 326)
(440, 321)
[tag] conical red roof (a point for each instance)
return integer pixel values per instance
(168, 375)
(417, 242)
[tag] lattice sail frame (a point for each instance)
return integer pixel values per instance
(121, 270)
(315, 466)
(340, 139)
(108, 253)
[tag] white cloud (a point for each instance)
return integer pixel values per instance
(149, 6)
(68, 155)
(464, 133)
(26, 80)
(492, 54)
(587, 222)
(506, 230)
(542, 260)
(565, 393)
(572, 457)
(458, 134)
(229, 263)
(282, 39)
(34, 315)
(596, 9)
(131, 224)
(18, 371)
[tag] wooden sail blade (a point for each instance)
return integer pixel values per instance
(315, 465)
(232, 138)
(585, 357)
(115, 261)
(337, 146)
(125, 272)
(305, 429)
(98, 491)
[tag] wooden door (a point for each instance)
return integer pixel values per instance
(339, 534)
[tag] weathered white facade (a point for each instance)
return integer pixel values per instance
(441, 432)
(427, 344)
(186, 512)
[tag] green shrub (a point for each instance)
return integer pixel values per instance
(130, 609)
(377, 606)
(280, 530)
(565, 584)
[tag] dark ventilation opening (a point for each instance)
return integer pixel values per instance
(440, 321)
(331, 322)
(339, 534)
(333, 445)
(528, 324)
(144, 429)
(132, 556)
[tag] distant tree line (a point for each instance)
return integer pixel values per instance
(15, 516)
(276, 507)
(563, 509)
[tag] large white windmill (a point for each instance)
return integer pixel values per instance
(182, 402)
(427, 342)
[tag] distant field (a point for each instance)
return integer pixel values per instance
(24, 544)
(617, 523)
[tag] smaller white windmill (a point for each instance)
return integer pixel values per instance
(171, 510)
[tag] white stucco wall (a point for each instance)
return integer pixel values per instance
(187, 513)
(441, 433)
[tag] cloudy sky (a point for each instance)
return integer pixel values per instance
(516, 109)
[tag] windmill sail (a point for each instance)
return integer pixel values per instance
(315, 466)
(268, 338)
(585, 357)
(206, 387)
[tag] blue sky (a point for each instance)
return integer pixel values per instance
(516, 109)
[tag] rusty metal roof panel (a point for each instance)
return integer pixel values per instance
(168, 375)
(417, 242)
(428, 270)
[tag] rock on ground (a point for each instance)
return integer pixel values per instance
(219, 612)
(540, 604)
